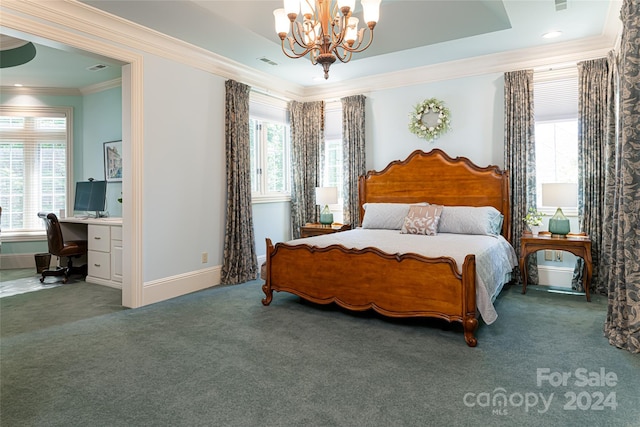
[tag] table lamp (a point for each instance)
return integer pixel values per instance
(326, 196)
(559, 195)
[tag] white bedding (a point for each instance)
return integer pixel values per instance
(495, 257)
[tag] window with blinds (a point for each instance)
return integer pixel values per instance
(332, 169)
(34, 153)
(556, 134)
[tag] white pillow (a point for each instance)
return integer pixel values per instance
(470, 220)
(386, 216)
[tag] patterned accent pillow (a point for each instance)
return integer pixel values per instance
(422, 220)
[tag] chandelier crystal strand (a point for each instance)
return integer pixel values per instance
(326, 31)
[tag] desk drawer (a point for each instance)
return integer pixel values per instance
(99, 238)
(99, 264)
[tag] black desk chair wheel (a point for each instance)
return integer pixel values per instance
(58, 247)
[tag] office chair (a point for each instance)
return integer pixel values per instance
(60, 248)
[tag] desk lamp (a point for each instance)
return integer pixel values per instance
(560, 195)
(326, 196)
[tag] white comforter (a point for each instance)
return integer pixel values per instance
(495, 257)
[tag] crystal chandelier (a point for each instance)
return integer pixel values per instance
(326, 30)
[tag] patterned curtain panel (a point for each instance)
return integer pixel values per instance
(240, 262)
(353, 152)
(307, 152)
(520, 155)
(594, 101)
(621, 262)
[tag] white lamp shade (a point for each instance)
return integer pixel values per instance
(370, 10)
(282, 21)
(326, 195)
(560, 195)
(291, 6)
(352, 30)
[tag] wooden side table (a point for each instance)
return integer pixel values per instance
(579, 246)
(316, 229)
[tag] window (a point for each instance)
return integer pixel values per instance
(34, 164)
(332, 173)
(269, 149)
(556, 133)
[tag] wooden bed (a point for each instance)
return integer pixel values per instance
(408, 285)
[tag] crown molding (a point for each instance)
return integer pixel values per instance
(49, 91)
(542, 56)
(62, 91)
(99, 87)
(552, 56)
(82, 17)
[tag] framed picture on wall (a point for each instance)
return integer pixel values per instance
(113, 161)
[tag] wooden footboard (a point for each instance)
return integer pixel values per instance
(406, 285)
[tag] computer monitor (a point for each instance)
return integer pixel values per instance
(90, 196)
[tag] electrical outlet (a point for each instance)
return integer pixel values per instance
(548, 255)
(559, 256)
(205, 257)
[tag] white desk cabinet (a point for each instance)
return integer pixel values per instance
(99, 255)
(116, 254)
(104, 241)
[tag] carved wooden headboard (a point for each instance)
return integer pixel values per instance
(436, 178)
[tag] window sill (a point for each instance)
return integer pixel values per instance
(271, 198)
(568, 212)
(24, 236)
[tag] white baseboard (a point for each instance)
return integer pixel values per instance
(181, 284)
(555, 276)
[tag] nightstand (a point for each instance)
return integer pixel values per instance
(316, 229)
(579, 246)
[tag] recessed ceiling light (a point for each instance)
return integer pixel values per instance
(552, 34)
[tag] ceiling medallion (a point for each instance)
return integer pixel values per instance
(430, 119)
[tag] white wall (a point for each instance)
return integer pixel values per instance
(477, 116)
(184, 168)
(272, 220)
(102, 123)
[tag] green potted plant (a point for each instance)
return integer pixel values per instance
(533, 220)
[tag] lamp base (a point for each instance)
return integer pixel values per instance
(559, 224)
(326, 217)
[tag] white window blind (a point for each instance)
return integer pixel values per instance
(556, 99)
(556, 116)
(33, 165)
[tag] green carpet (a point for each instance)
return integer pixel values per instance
(219, 358)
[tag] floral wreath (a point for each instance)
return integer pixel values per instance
(423, 130)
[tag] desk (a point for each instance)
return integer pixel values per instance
(579, 246)
(104, 239)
